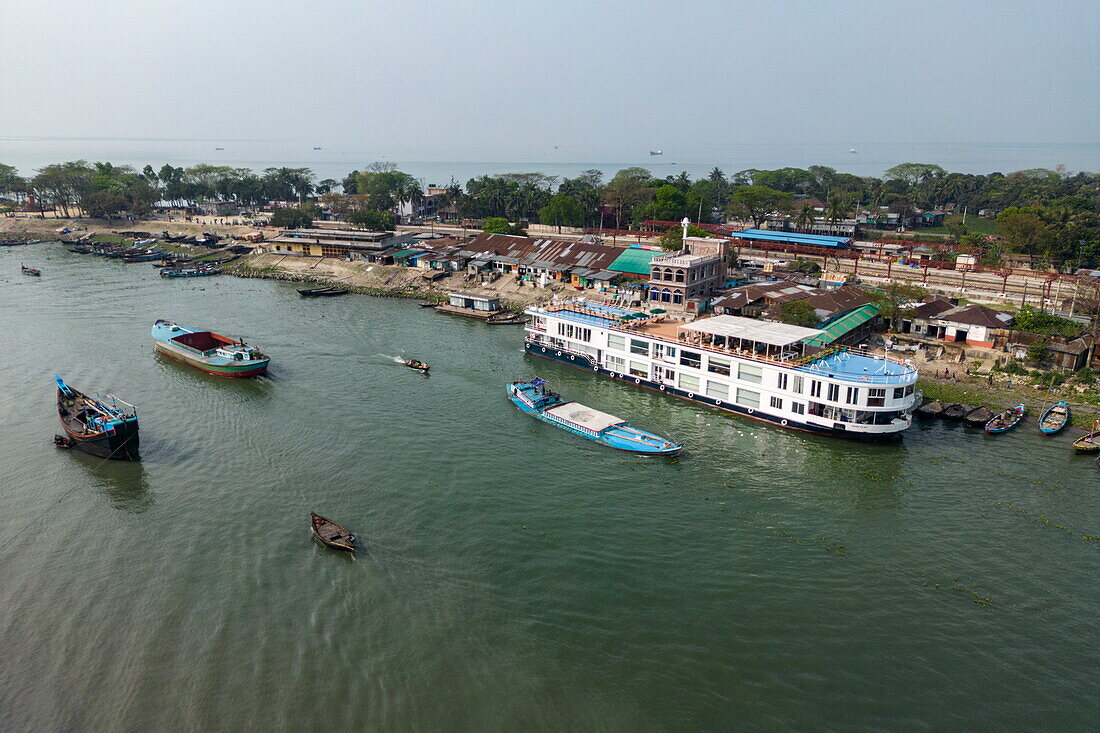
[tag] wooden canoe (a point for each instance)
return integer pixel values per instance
(1088, 443)
(957, 411)
(322, 292)
(331, 534)
(1055, 419)
(931, 409)
(1005, 421)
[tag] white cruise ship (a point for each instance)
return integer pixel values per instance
(761, 370)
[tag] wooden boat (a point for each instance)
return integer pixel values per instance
(322, 292)
(1055, 419)
(106, 428)
(189, 271)
(931, 409)
(536, 400)
(1089, 443)
(957, 411)
(150, 256)
(428, 304)
(417, 364)
(30, 271)
(1005, 421)
(505, 319)
(208, 351)
(331, 534)
(979, 416)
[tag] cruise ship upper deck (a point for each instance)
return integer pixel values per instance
(777, 343)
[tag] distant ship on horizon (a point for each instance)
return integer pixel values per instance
(657, 152)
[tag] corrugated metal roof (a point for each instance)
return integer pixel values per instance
(813, 240)
(845, 324)
(634, 261)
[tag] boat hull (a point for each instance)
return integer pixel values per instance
(121, 444)
(221, 371)
(584, 364)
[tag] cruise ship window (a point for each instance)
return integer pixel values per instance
(639, 347)
(899, 392)
(617, 342)
(748, 398)
(876, 397)
(777, 403)
(691, 359)
(798, 408)
(833, 393)
(718, 366)
(750, 373)
(815, 388)
(717, 390)
(852, 396)
(781, 380)
(688, 382)
(637, 369)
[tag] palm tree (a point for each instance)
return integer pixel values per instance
(806, 216)
(836, 210)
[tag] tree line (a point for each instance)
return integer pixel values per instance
(1048, 213)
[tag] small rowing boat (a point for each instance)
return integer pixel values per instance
(331, 534)
(208, 351)
(536, 400)
(505, 319)
(978, 417)
(428, 304)
(1055, 419)
(30, 271)
(322, 292)
(1005, 421)
(107, 428)
(957, 411)
(1090, 442)
(930, 409)
(417, 364)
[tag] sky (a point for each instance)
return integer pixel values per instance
(496, 77)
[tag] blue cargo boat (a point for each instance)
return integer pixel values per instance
(536, 400)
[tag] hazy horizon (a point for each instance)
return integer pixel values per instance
(504, 79)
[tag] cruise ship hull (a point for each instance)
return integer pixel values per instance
(585, 363)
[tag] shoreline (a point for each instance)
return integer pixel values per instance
(384, 281)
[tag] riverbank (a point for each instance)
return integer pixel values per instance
(388, 281)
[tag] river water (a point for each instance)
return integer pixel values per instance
(514, 577)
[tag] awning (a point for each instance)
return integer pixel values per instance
(845, 324)
(750, 329)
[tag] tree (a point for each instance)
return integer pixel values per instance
(798, 313)
(291, 217)
(807, 215)
(562, 210)
(758, 203)
(836, 210)
(1037, 353)
(910, 174)
(624, 192)
(956, 227)
(376, 221)
(669, 204)
(103, 204)
(897, 299)
(11, 183)
(500, 225)
(326, 185)
(673, 239)
(1023, 230)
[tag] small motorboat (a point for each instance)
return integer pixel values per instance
(30, 271)
(1005, 421)
(931, 409)
(417, 364)
(428, 304)
(978, 417)
(322, 292)
(331, 534)
(957, 411)
(199, 271)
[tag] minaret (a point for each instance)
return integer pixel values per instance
(684, 225)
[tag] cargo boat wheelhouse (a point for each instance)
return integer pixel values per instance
(107, 428)
(766, 371)
(208, 351)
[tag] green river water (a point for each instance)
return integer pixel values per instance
(514, 577)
